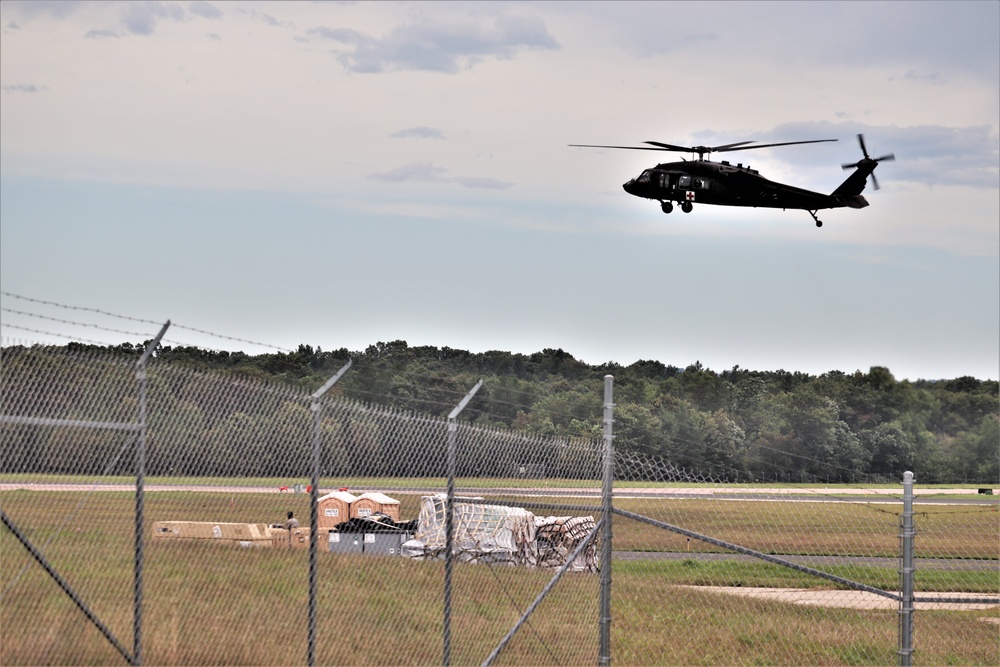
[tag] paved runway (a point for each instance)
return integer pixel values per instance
(818, 494)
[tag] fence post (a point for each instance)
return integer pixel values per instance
(606, 510)
(906, 604)
(140, 495)
(316, 408)
(449, 521)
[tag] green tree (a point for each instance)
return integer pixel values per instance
(891, 449)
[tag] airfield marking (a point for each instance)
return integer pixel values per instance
(842, 599)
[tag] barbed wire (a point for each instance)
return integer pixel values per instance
(77, 339)
(54, 335)
(79, 324)
(132, 319)
(234, 339)
(81, 308)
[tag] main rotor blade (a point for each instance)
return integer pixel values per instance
(628, 148)
(784, 143)
(727, 147)
(738, 146)
(671, 147)
(695, 149)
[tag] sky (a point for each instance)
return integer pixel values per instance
(337, 174)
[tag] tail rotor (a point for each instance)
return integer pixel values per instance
(867, 160)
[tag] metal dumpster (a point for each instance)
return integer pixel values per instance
(346, 543)
(385, 544)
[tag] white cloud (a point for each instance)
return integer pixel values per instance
(427, 172)
(21, 88)
(205, 10)
(482, 183)
(140, 18)
(419, 132)
(415, 171)
(441, 45)
(95, 33)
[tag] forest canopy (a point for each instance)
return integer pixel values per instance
(736, 424)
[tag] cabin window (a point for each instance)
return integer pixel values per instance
(700, 184)
(684, 182)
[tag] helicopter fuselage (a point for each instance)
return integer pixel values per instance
(725, 184)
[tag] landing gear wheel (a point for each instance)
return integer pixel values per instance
(686, 207)
(667, 207)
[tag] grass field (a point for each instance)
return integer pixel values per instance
(211, 604)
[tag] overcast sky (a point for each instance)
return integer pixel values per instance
(338, 174)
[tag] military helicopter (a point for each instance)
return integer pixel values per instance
(726, 184)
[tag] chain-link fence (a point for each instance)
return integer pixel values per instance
(283, 527)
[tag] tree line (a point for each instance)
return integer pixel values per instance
(735, 425)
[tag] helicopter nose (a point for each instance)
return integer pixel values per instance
(628, 187)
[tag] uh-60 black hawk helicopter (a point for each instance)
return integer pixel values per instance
(725, 184)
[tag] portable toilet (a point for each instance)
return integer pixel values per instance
(371, 503)
(334, 508)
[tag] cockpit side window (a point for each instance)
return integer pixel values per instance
(644, 177)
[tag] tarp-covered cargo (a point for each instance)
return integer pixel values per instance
(558, 537)
(501, 534)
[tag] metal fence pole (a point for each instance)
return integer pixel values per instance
(906, 572)
(140, 495)
(317, 408)
(607, 510)
(449, 521)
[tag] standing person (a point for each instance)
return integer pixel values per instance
(292, 522)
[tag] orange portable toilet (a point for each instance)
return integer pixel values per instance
(334, 508)
(371, 503)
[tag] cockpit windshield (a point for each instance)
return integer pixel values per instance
(644, 177)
